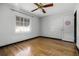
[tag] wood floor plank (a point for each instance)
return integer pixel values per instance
(40, 47)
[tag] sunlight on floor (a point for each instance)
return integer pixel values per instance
(22, 53)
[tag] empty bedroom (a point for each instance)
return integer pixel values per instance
(39, 29)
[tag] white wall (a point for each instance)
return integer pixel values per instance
(53, 26)
(68, 33)
(7, 26)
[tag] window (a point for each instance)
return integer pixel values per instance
(22, 24)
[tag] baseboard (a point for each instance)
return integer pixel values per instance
(68, 41)
(35, 38)
(77, 48)
(56, 39)
(19, 41)
(50, 37)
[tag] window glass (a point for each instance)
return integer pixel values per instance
(22, 24)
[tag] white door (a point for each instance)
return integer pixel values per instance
(68, 29)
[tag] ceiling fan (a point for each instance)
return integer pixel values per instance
(41, 6)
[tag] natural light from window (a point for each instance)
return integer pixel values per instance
(20, 29)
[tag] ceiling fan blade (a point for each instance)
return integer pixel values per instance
(48, 5)
(37, 4)
(40, 4)
(34, 9)
(43, 11)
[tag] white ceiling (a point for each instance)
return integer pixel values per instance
(57, 8)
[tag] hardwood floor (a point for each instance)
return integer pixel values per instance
(39, 47)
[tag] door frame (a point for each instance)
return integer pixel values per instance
(75, 27)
